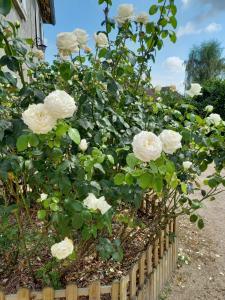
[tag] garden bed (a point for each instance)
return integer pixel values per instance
(143, 278)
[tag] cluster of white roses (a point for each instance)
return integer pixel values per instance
(65, 248)
(147, 146)
(42, 118)
(126, 14)
(71, 42)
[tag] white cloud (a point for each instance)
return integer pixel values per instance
(190, 28)
(213, 27)
(174, 64)
(186, 2)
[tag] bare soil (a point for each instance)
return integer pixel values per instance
(201, 275)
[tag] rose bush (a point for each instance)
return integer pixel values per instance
(82, 144)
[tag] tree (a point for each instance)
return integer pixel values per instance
(205, 62)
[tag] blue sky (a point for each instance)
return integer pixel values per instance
(198, 21)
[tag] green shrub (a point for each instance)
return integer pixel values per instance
(213, 93)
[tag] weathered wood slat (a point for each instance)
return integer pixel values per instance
(48, 293)
(23, 294)
(94, 291)
(71, 292)
(115, 290)
(2, 296)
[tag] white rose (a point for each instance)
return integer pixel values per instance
(67, 43)
(39, 54)
(146, 146)
(187, 164)
(171, 141)
(60, 104)
(83, 145)
(195, 90)
(44, 196)
(213, 119)
(125, 13)
(142, 18)
(158, 88)
(209, 108)
(82, 37)
(101, 40)
(62, 249)
(38, 119)
(94, 203)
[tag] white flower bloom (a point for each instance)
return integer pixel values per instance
(39, 54)
(82, 37)
(38, 119)
(125, 13)
(60, 105)
(187, 164)
(142, 18)
(195, 90)
(62, 249)
(44, 196)
(158, 88)
(67, 43)
(94, 203)
(101, 40)
(146, 146)
(213, 119)
(171, 141)
(209, 108)
(83, 145)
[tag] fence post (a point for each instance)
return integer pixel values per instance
(48, 293)
(94, 291)
(2, 295)
(123, 288)
(71, 292)
(115, 290)
(23, 294)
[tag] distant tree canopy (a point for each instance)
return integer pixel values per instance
(205, 62)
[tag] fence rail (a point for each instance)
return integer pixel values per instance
(144, 281)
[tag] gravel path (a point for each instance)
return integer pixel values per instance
(202, 257)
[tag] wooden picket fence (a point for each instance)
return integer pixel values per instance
(145, 280)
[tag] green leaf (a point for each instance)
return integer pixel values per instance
(33, 140)
(61, 129)
(145, 180)
(173, 21)
(173, 9)
(153, 9)
(201, 224)
(158, 184)
(111, 159)
(22, 142)
(131, 160)
(41, 214)
(74, 135)
(193, 218)
(119, 179)
(173, 37)
(184, 187)
(5, 7)
(66, 70)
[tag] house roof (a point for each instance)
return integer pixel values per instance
(47, 9)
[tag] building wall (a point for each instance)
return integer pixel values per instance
(28, 14)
